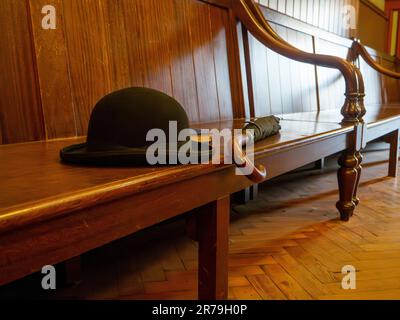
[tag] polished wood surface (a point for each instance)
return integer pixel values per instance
(36, 166)
(288, 244)
(375, 113)
(61, 211)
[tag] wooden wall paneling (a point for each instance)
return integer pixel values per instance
(154, 38)
(88, 53)
(331, 82)
(282, 6)
(248, 71)
(274, 81)
(391, 88)
(219, 26)
(201, 35)
(182, 63)
(296, 70)
(327, 15)
(321, 20)
(331, 13)
(273, 4)
(259, 68)
(126, 40)
(308, 83)
(316, 11)
(285, 75)
(297, 9)
(264, 3)
(373, 83)
(340, 26)
(21, 117)
(53, 73)
(120, 52)
(290, 7)
(310, 11)
(243, 71)
(326, 95)
(236, 74)
(335, 16)
(306, 43)
(303, 10)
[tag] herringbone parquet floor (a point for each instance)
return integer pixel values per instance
(288, 244)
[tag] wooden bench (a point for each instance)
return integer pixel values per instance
(51, 212)
(383, 120)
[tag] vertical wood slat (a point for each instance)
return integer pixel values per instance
(251, 73)
(219, 35)
(87, 42)
(330, 82)
(285, 76)
(51, 57)
(199, 17)
(21, 117)
(102, 46)
(261, 80)
(182, 69)
(282, 85)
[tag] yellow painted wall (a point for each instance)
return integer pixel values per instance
(394, 33)
(372, 28)
(379, 3)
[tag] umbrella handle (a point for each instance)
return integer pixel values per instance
(259, 173)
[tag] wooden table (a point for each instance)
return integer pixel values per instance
(51, 212)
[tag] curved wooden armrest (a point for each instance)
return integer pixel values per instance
(248, 12)
(258, 174)
(359, 50)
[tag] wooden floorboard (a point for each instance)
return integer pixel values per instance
(288, 244)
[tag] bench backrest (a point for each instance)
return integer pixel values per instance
(193, 50)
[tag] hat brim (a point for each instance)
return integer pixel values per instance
(122, 156)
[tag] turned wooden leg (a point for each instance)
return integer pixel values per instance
(348, 176)
(246, 195)
(213, 236)
(394, 154)
(320, 164)
(359, 157)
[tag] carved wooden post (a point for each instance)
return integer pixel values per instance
(349, 173)
(394, 153)
(347, 178)
(359, 170)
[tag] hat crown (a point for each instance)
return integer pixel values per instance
(123, 118)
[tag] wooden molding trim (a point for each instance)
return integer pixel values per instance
(374, 8)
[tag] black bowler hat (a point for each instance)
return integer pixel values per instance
(119, 124)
